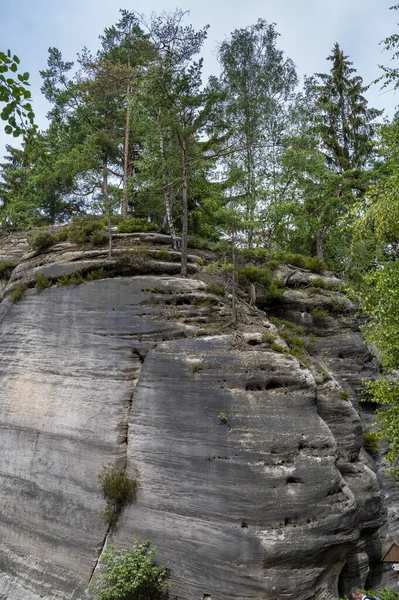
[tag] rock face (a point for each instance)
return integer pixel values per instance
(279, 502)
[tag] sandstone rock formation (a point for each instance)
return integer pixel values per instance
(279, 502)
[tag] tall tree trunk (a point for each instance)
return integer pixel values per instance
(125, 200)
(234, 274)
(106, 202)
(320, 237)
(184, 235)
(168, 221)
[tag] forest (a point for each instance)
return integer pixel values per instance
(252, 160)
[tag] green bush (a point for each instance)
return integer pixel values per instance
(316, 264)
(318, 313)
(319, 283)
(136, 225)
(42, 282)
(277, 348)
(82, 231)
(223, 417)
(263, 276)
(71, 279)
(217, 290)
(18, 291)
(129, 575)
(99, 238)
(275, 290)
(196, 243)
(287, 324)
(162, 255)
(370, 441)
(41, 240)
(268, 336)
(118, 490)
(96, 274)
(6, 266)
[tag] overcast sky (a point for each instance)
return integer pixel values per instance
(308, 28)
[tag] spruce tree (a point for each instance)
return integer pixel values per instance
(345, 127)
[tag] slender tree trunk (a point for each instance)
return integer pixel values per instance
(168, 216)
(106, 202)
(234, 274)
(125, 200)
(320, 241)
(184, 235)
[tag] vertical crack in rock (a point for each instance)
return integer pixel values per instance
(122, 440)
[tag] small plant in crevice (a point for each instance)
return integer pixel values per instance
(6, 266)
(370, 441)
(70, 279)
(96, 274)
(223, 417)
(278, 348)
(18, 291)
(217, 290)
(130, 574)
(42, 282)
(345, 395)
(318, 313)
(118, 489)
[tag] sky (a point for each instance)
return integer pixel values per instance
(308, 31)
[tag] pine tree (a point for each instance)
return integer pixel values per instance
(345, 126)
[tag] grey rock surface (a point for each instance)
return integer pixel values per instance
(135, 371)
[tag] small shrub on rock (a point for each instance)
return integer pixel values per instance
(18, 291)
(83, 232)
(128, 574)
(136, 225)
(42, 240)
(99, 238)
(254, 274)
(70, 279)
(42, 282)
(217, 290)
(6, 266)
(118, 490)
(370, 441)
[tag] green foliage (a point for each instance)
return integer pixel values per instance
(223, 417)
(385, 393)
(96, 274)
(78, 277)
(263, 276)
(370, 441)
(99, 238)
(312, 263)
(42, 282)
(17, 111)
(383, 594)
(70, 279)
(345, 395)
(206, 302)
(81, 231)
(275, 290)
(41, 240)
(318, 283)
(283, 323)
(135, 225)
(277, 348)
(18, 291)
(268, 336)
(6, 266)
(130, 575)
(318, 313)
(118, 490)
(213, 288)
